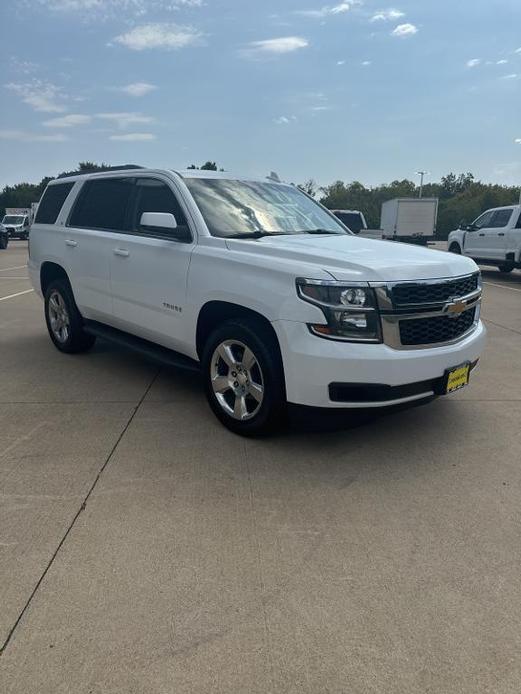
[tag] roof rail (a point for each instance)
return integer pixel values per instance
(123, 167)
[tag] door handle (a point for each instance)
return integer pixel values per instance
(122, 252)
(481, 234)
(501, 233)
(71, 243)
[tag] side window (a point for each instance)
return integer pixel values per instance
(484, 220)
(500, 219)
(153, 195)
(103, 204)
(518, 225)
(52, 202)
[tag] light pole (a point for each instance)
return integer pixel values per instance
(421, 174)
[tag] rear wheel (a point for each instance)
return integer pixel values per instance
(243, 377)
(64, 321)
(505, 268)
(455, 248)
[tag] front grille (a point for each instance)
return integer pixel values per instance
(418, 293)
(427, 331)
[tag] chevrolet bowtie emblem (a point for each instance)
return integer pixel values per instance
(456, 307)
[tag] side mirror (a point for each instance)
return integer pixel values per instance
(158, 220)
(166, 223)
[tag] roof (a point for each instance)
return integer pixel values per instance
(183, 173)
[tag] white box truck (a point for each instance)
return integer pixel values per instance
(17, 221)
(412, 220)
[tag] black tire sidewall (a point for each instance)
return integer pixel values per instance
(77, 340)
(271, 414)
(454, 248)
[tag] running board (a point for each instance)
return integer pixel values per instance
(147, 349)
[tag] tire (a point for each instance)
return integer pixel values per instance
(455, 248)
(250, 399)
(3, 242)
(64, 321)
(505, 268)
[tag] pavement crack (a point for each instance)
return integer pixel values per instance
(77, 514)
(498, 325)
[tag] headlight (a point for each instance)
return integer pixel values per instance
(350, 310)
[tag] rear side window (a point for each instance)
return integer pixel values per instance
(52, 202)
(103, 204)
(500, 219)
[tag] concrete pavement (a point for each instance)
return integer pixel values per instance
(143, 548)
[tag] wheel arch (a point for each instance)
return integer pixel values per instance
(49, 272)
(214, 313)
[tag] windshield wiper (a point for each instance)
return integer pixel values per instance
(258, 234)
(320, 231)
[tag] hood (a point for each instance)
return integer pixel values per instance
(357, 259)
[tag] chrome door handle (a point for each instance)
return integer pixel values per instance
(122, 252)
(501, 233)
(71, 243)
(481, 234)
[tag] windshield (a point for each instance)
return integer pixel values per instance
(243, 209)
(12, 219)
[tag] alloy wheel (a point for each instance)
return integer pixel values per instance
(237, 380)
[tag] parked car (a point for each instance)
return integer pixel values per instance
(494, 238)
(258, 286)
(354, 220)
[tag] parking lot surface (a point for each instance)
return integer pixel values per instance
(145, 549)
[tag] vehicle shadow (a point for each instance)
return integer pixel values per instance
(513, 278)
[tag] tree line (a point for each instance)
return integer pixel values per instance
(461, 196)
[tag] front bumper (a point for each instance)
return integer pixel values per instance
(312, 364)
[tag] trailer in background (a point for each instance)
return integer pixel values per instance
(412, 220)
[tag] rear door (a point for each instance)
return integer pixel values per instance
(496, 236)
(98, 218)
(149, 268)
(513, 237)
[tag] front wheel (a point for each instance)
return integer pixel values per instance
(505, 268)
(244, 378)
(3, 242)
(455, 248)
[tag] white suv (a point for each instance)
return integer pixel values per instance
(256, 284)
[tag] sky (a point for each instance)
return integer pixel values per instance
(356, 90)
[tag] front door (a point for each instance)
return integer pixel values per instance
(475, 242)
(149, 269)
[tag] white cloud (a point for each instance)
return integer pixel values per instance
(284, 120)
(474, 62)
(138, 89)
(124, 119)
(501, 62)
(404, 30)
(284, 44)
(366, 63)
(387, 15)
(340, 62)
(159, 35)
(95, 10)
(25, 136)
(326, 11)
(518, 140)
(25, 67)
(68, 121)
(518, 50)
(512, 76)
(133, 137)
(40, 95)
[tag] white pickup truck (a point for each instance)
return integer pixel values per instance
(256, 285)
(494, 238)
